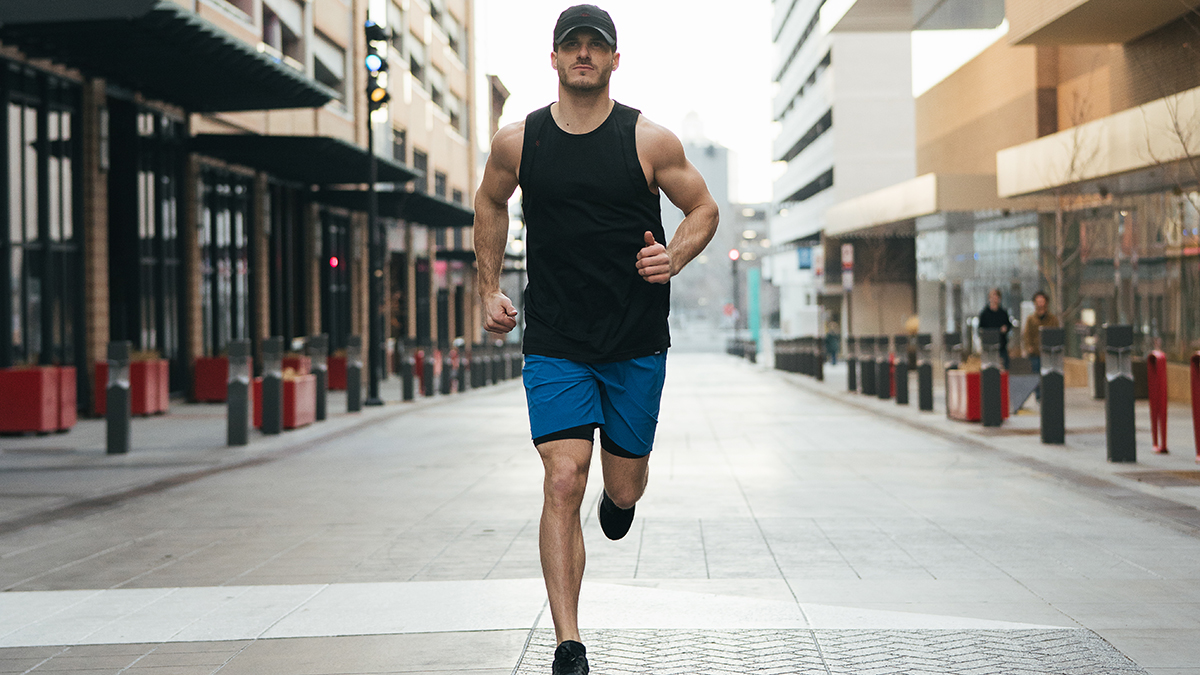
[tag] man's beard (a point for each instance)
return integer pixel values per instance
(580, 88)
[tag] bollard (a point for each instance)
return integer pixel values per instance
(951, 360)
(1053, 383)
(495, 366)
(819, 359)
(924, 373)
(901, 376)
(464, 367)
(991, 408)
(1196, 402)
(1156, 376)
(354, 366)
(419, 370)
(883, 368)
(851, 364)
(318, 351)
(446, 374)
(454, 369)
(518, 364)
(866, 362)
(408, 368)
(427, 386)
(237, 419)
(1120, 426)
(119, 413)
(1098, 370)
(272, 385)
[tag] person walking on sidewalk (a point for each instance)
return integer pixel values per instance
(995, 316)
(1031, 334)
(596, 337)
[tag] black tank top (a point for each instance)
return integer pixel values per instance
(587, 206)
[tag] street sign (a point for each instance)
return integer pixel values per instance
(848, 266)
(818, 264)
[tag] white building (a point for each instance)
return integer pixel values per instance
(846, 128)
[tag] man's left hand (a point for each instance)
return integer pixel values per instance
(653, 262)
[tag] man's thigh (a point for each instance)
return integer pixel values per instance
(630, 397)
(563, 398)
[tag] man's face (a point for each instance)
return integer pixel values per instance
(994, 300)
(584, 61)
(1040, 304)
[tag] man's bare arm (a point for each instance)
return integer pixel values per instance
(684, 186)
(491, 225)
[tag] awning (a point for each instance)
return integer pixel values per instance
(415, 207)
(893, 210)
(160, 49)
(304, 159)
(865, 16)
(1074, 22)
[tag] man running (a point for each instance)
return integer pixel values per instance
(596, 337)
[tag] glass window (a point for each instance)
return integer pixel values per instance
(400, 145)
(439, 184)
(437, 87)
(421, 164)
(417, 59)
(329, 64)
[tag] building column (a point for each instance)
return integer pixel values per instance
(410, 295)
(95, 232)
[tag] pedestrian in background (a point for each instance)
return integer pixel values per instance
(833, 341)
(1031, 335)
(995, 316)
(596, 333)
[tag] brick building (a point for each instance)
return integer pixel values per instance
(183, 173)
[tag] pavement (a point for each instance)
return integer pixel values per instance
(789, 527)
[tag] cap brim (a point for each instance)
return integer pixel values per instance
(612, 42)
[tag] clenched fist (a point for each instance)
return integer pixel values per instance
(653, 261)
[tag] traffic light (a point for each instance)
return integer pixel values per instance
(377, 65)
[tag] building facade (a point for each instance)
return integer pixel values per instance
(184, 173)
(845, 113)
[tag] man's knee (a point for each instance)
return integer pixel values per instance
(566, 475)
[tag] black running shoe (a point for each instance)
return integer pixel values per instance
(570, 659)
(614, 520)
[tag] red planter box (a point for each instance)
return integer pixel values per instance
(210, 379)
(962, 395)
(299, 401)
(301, 364)
(67, 398)
(337, 373)
(149, 387)
(29, 399)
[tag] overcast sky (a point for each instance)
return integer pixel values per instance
(711, 57)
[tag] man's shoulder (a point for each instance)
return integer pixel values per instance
(656, 142)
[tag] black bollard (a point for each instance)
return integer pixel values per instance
(924, 373)
(446, 374)
(851, 360)
(866, 364)
(518, 364)
(119, 413)
(1053, 407)
(819, 358)
(318, 351)
(272, 385)
(427, 387)
(991, 410)
(901, 376)
(494, 362)
(354, 364)
(239, 405)
(1120, 427)
(883, 368)
(407, 372)
(1098, 368)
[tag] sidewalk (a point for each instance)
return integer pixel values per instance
(1174, 476)
(787, 528)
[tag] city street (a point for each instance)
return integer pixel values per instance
(784, 530)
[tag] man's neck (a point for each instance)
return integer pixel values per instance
(581, 112)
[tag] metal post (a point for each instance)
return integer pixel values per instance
(408, 366)
(1099, 379)
(991, 410)
(272, 385)
(924, 373)
(883, 368)
(445, 379)
(375, 243)
(427, 387)
(1053, 406)
(819, 358)
(866, 360)
(1120, 426)
(354, 364)
(851, 363)
(238, 400)
(901, 377)
(318, 351)
(518, 364)
(119, 412)
(951, 359)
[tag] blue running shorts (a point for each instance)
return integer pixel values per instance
(568, 399)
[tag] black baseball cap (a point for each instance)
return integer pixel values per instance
(585, 16)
